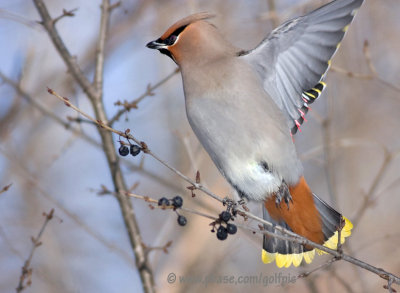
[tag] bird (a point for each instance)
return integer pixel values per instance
(245, 106)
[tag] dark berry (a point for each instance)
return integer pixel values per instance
(135, 150)
(225, 216)
(163, 202)
(123, 150)
(222, 233)
(182, 220)
(231, 228)
(177, 201)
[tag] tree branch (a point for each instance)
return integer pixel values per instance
(287, 235)
(94, 93)
(127, 135)
(70, 61)
(26, 269)
(135, 102)
(100, 50)
(5, 188)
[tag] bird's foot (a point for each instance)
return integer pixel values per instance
(283, 193)
(231, 205)
(242, 203)
(228, 202)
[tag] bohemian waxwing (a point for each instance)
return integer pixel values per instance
(244, 106)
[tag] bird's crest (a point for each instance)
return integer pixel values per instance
(186, 21)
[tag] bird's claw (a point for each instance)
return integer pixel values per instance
(228, 202)
(231, 205)
(283, 193)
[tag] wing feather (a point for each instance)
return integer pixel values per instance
(295, 57)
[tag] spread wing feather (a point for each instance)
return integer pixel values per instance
(293, 60)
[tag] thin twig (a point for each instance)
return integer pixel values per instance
(79, 120)
(100, 49)
(67, 125)
(45, 111)
(373, 72)
(352, 74)
(127, 135)
(135, 102)
(32, 181)
(368, 198)
(26, 273)
(65, 13)
(188, 210)
(389, 286)
(320, 267)
(69, 60)
(164, 248)
(5, 188)
(20, 19)
(272, 13)
(149, 199)
(115, 5)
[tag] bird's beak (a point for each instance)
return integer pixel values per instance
(157, 44)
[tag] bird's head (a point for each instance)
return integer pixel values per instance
(191, 40)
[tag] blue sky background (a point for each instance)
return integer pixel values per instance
(85, 248)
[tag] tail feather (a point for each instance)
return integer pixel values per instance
(331, 219)
(308, 216)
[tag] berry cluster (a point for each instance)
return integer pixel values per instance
(176, 203)
(225, 227)
(134, 150)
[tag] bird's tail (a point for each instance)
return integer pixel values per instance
(308, 216)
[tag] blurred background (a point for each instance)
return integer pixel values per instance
(350, 148)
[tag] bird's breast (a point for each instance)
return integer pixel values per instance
(240, 127)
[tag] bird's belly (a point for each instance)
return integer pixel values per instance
(236, 147)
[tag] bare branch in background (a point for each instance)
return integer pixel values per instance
(26, 274)
(134, 104)
(67, 125)
(20, 19)
(272, 13)
(94, 92)
(45, 111)
(368, 198)
(318, 268)
(115, 5)
(69, 60)
(5, 188)
(144, 147)
(373, 72)
(65, 13)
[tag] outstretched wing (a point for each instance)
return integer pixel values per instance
(293, 60)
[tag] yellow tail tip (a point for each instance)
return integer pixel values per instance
(332, 242)
(286, 260)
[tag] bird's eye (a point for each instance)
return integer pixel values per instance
(171, 40)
